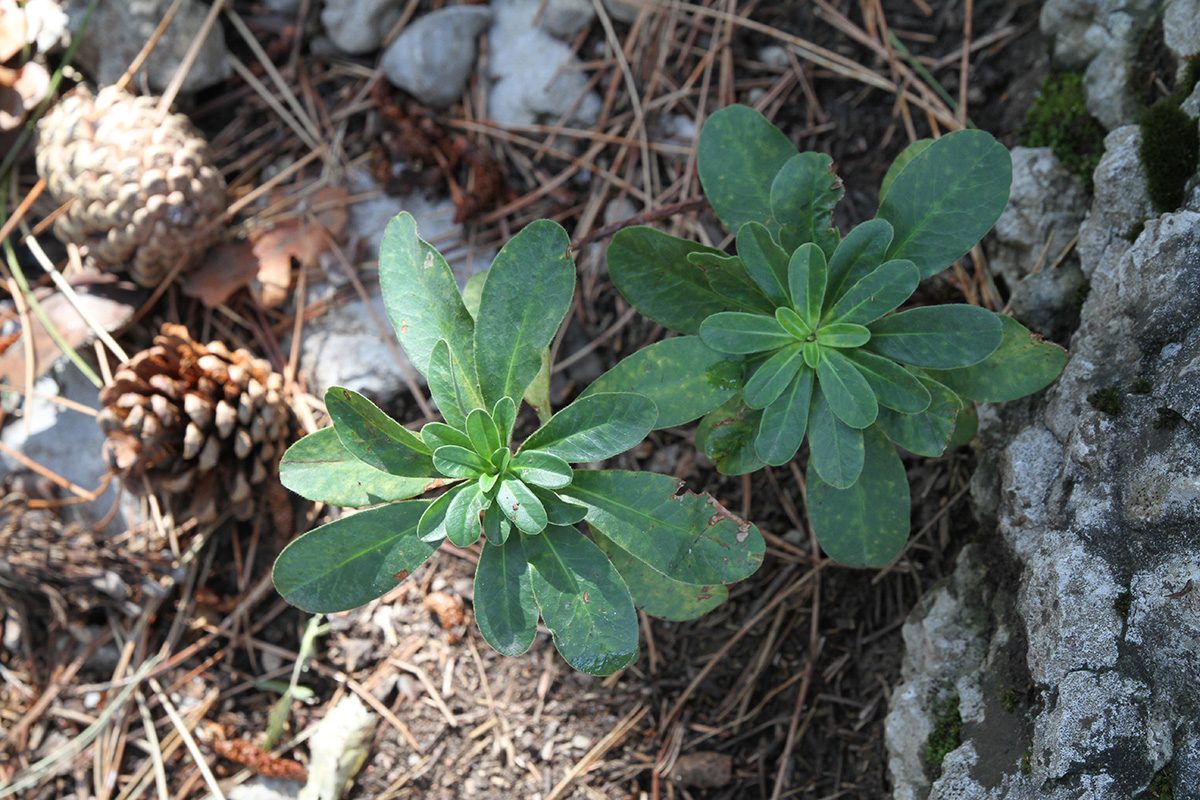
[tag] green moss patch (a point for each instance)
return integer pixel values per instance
(946, 734)
(1170, 151)
(1059, 119)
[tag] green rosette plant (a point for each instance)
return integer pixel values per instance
(672, 554)
(802, 326)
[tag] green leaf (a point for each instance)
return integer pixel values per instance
(320, 468)
(651, 270)
(595, 427)
(867, 524)
(432, 525)
(807, 275)
(727, 435)
(849, 395)
(499, 458)
(727, 276)
(583, 601)
(803, 195)
(893, 385)
(423, 303)
(739, 333)
(451, 397)
(773, 376)
(1023, 364)
(655, 593)
(966, 425)
(812, 354)
(766, 262)
(459, 462)
(438, 434)
(937, 337)
(537, 395)
(351, 561)
(793, 323)
(558, 511)
(781, 431)
(541, 469)
(906, 155)
(505, 609)
(374, 438)
(473, 291)
(463, 524)
(687, 537)
(927, 432)
(843, 335)
(856, 256)
(487, 482)
(684, 377)
(946, 198)
(521, 506)
(738, 154)
(876, 294)
(496, 526)
(528, 292)
(483, 432)
(835, 449)
(504, 414)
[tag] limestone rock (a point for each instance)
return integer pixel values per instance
(433, 57)
(358, 26)
(564, 19)
(1119, 203)
(1181, 29)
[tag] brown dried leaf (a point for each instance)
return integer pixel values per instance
(259, 761)
(226, 268)
(297, 239)
(449, 611)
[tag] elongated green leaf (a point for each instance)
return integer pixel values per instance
(521, 506)
(687, 537)
(927, 432)
(856, 256)
(684, 377)
(784, 422)
(849, 395)
(1023, 364)
(738, 154)
(505, 609)
(528, 291)
(803, 195)
(794, 324)
(835, 449)
(807, 276)
(496, 526)
(867, 524)
(651, 270)
(595, 427)
(320, 468)
(583, 600)
(432, 525)
(459, 462)
(727, 276)
(558, 511)
(937, 337)
(876, 294)
(353, 560)
(374, 438)
(843, 335)
(906, 155)
(727, 435)
(482, 431)
(738, 333)
(966, 425)
(463, 523)
(450, 397)
(542, 469)
(473, 291)
(423, 303)
(946, 198)
(655, 593)
(812, 354)
(437, 434)
(504, 414)
(773, 376)
(766, 262)
(894, 386)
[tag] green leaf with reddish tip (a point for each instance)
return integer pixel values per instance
(784, 422)
(505, 609)
(583, 601)
(521, 506)
(1024, 363)
(927, 432)
(738, 333)
(684, 377)
(843, 335)
(374, 438)
(807, 276)
(876, 294)
(937, 337)
(351, 561)
(849, 395)
(835, 449)
(595, 427)
(894, 386)
(803, 195)
(765, 261)
(857, 256)
(946, 198)
(320, 468)
(773, 376)
(685, 536)
(738, 151)
(463, 523)
(865, 525)
(727, 435)
(655, 593)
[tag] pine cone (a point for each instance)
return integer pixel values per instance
(145, 193)
(197, 419)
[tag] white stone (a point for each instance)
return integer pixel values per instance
(1181, 29)
(434, 56)
(358, 26)
(565, 19)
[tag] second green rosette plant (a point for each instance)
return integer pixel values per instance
(808, 319)
(669, 553)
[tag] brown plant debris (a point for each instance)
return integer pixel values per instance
(259, 761)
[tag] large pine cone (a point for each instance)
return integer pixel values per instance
(198, 419)
(145, 194)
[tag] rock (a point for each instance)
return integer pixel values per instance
(1120, 202)
(358, 26)
(117, 32)
(564, 19)
(1181, 30)
(536, 76)
(48, 23)
(433, 57)
(628, 10)
(1047, 301)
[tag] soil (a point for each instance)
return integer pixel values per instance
(781, 692)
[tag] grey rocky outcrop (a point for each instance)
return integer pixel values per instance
(434, 56)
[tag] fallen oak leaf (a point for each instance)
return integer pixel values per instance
(225, 268)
